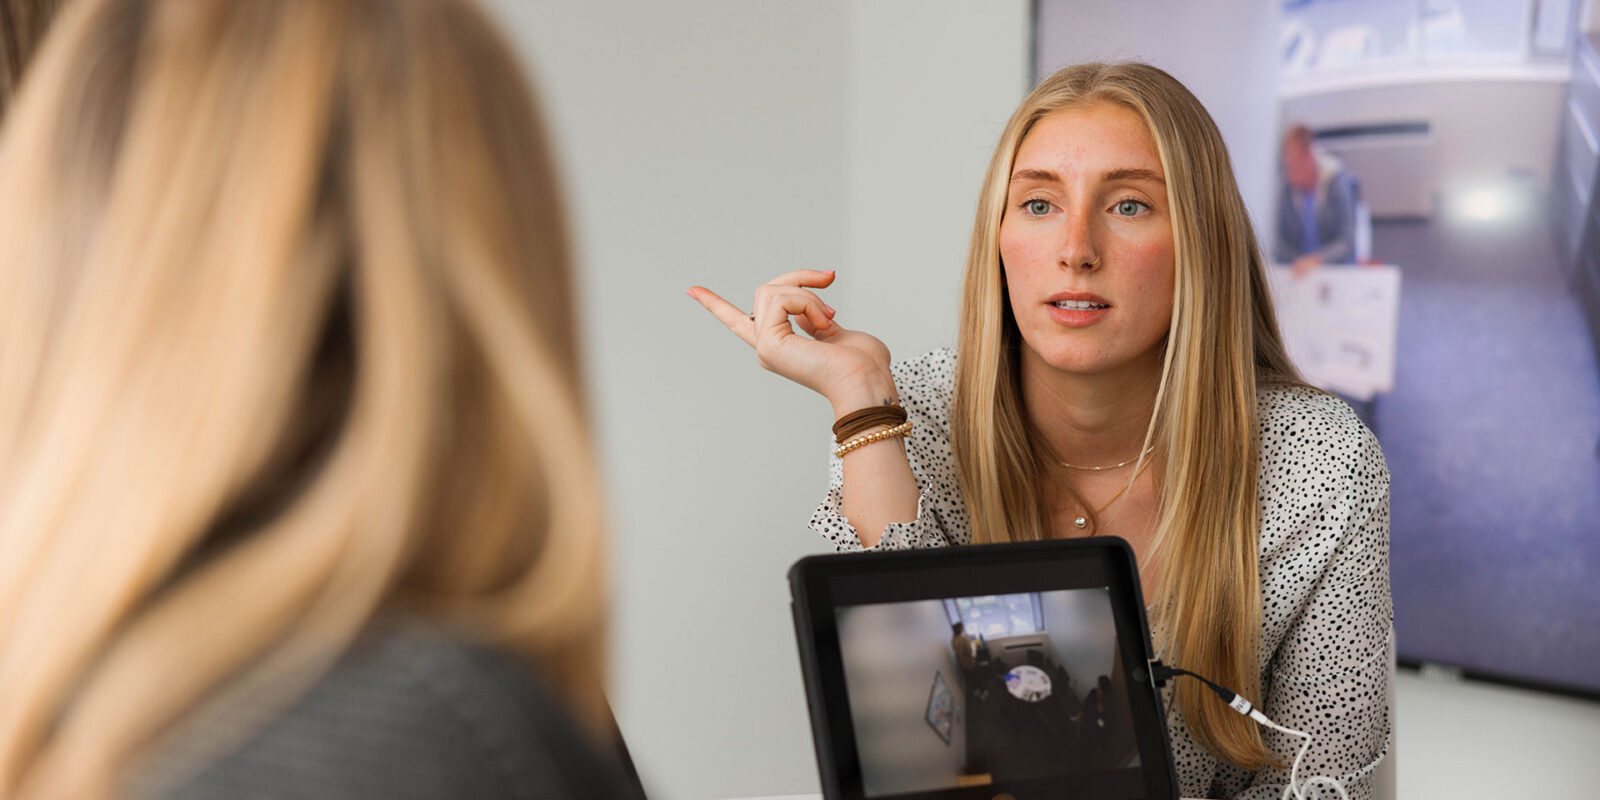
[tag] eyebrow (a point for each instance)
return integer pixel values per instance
(1135, 175)
(1034, 175)
(1124, 174)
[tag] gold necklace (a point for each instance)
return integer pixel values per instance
(1083, 521)
(1118, 465)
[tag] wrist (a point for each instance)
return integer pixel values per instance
(864, 393)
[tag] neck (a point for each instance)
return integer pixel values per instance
(1091, 419)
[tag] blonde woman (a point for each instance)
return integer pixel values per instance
(22, 27)
(1119, 372)
(297, 497)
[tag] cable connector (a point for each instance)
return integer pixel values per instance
(1163, 673)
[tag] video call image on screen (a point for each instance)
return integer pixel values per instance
(970, 691)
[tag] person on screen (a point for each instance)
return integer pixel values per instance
(1318, 206)
(1118, 371)
(298, 496)
(1094, 729)
(965, 647)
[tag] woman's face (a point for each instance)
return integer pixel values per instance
(1086, 242)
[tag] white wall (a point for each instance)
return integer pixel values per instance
(702, 144)
(1080, 624)
(930, 89)
(1460, 740)
(720, 142)
(891, 653)
(1225, 51)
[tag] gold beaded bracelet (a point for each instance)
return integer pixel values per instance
(877, 436)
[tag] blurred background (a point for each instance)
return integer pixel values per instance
(721, 142)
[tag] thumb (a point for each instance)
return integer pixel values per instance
(829, 332)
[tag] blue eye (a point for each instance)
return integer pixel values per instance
(1129, 208)
(1037, 208)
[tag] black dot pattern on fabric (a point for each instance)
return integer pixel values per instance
(1327, 618)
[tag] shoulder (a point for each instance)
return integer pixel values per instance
(1318, 462)
(1301, 425)
(464, 719)
(1341, 183)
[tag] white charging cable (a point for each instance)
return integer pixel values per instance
(1295, 789)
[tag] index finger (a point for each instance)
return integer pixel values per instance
(726, 313)
(814, 278)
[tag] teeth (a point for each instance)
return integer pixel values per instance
(1079, 305)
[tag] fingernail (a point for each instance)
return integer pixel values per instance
(831, 272)
(830, 309)
(689, 292)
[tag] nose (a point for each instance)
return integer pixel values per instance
(1078, 247)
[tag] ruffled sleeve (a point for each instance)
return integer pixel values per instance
(925, 385)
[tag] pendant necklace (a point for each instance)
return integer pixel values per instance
(1083, 521)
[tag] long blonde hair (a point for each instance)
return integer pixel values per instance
(22, 27)
(286, 342)
(1222, 343)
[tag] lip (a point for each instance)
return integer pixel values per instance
(1076, 319)
(1079, 296)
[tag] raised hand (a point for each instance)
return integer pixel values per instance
(850, 368)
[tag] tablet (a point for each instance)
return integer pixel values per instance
(994, 671)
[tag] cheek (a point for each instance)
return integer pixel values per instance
(1011, 259)
(1020, 254)
(1009, 252)
(1155, 273)
(1152, 256)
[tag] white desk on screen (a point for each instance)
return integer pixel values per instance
(1339, 325)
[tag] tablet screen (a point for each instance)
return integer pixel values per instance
(1015, 670)
(970, 691)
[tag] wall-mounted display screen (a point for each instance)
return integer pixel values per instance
(1461, 162)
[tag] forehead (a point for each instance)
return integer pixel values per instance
(1097, 137)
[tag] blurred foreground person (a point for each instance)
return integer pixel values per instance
(297, 496)
(22, 27)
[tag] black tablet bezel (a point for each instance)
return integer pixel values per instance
(821, 584)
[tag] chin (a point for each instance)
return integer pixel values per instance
(1080, 366)
(1075, 359)
(1071, 360)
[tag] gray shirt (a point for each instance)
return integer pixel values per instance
(408, 713)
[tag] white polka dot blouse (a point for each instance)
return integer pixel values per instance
(1327, 617)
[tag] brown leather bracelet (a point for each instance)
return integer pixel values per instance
(869, 411)
(866, 419)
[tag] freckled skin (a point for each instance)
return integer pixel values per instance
(1054, 227)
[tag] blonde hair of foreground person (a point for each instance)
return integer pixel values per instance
(22, 27)
(285, 342)
(1223, 342)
